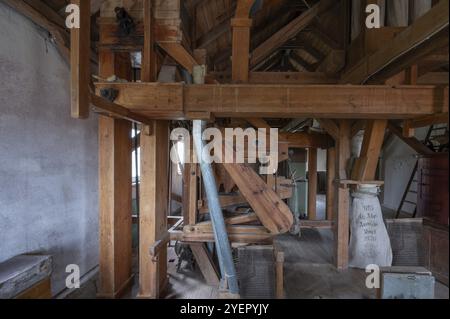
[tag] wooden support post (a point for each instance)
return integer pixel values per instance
(411, 75)
(279, 274)
(154, 189)
(149, 69)
(115, 206)
(312, 183)
(114, 193)
(241, 49)
(153, 215)
(366, 165)
(190, 188)
(80, 62)
(331, 176)
(241, 25)
(408, 131)
(341, 218)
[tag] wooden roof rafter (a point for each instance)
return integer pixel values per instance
(289, 31)
(426, 35)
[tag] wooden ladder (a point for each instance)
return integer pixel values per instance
(408, 191)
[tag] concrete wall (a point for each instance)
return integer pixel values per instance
(48, 161)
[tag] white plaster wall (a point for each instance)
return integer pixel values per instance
(48, 161)
(398, 161)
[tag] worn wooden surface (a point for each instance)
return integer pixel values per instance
(175, 101)
(153, 208)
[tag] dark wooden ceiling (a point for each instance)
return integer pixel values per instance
(210, 29)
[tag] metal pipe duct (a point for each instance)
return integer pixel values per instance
(227, 268)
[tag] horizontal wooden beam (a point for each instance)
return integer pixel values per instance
(176, 101)
(279, 78)
(315, 224)
(245, 238)
(306, 140)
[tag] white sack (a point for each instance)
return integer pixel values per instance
(369, 240)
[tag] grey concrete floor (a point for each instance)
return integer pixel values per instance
(308, 271)
(308, 274)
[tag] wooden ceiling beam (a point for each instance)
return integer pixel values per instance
(290, 78)
(175, 101)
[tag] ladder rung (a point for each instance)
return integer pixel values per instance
(409, 202)
(414, 192)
